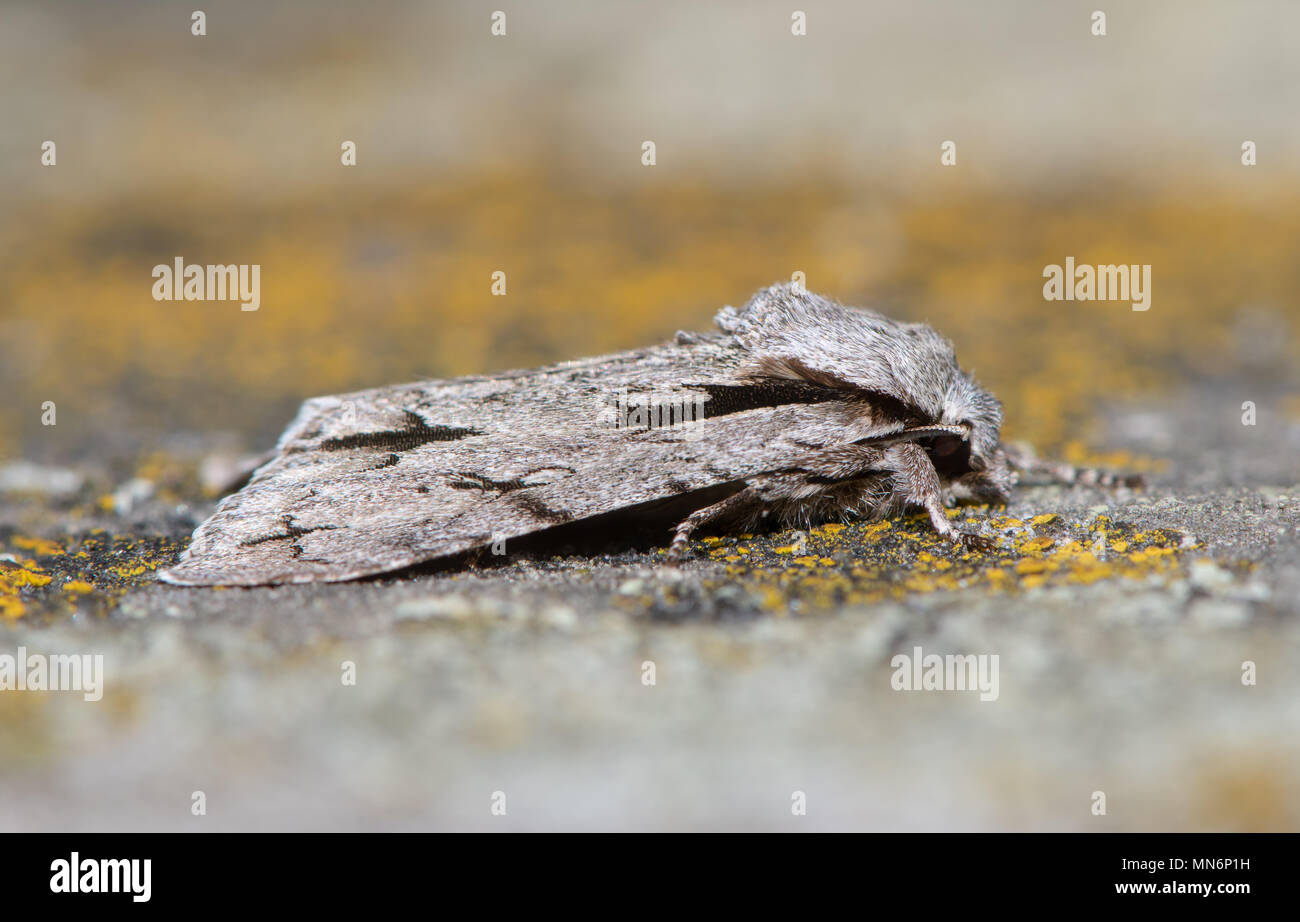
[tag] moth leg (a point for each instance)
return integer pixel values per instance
(1025, 460)
(991, 485)
(737, 501)
(920, 482)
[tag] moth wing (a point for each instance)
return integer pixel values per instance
(379, 480)
(786, 325)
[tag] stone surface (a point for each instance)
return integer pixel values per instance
(1121, 620)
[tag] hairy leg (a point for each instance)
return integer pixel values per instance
(801, 485)
(736, 504)
(917, 479)
(844, 478)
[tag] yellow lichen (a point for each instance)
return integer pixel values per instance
(38, 546)
(1035, 545)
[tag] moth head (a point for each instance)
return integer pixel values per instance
(979, 413)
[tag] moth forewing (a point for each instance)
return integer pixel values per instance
(334, 505)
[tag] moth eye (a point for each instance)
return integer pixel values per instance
(951, 455)
(945, 445)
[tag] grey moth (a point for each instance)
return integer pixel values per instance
(796, 410)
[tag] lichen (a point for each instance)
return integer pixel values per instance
(599, 286)
(93, 575)
(868, 562)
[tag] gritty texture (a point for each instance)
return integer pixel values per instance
(1122, 624)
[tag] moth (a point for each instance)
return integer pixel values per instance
(796, 410)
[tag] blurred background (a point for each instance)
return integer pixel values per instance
(775, 154)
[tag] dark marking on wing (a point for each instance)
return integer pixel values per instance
(725, 399)
(539, 510)
(291, 534)
(894, 408)
(415, 433)
(469, 481)
(795, 371)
